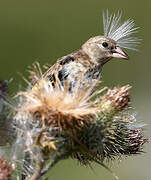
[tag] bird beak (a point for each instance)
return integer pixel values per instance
(119, 53)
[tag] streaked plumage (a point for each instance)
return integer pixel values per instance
(88, 61)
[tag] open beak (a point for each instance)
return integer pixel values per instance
(119, 53)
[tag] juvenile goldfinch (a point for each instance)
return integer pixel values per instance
(87, 62)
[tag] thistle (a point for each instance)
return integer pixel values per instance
(54, 124)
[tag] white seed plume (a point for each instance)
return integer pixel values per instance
(120, 32)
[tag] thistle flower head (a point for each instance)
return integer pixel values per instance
(120, 32)
(116, 99)
(57, 106)
(53, 124)
(46, 116)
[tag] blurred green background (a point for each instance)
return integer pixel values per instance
(44, 30)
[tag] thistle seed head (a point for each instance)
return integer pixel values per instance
(120, 32)
(116, 99)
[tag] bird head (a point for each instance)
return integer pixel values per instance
(116, 37)
(101, 49)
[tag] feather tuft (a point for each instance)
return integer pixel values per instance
(120, 32)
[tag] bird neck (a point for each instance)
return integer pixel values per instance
(90, 66)
(103, 61)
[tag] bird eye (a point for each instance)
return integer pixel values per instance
(105, 44)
